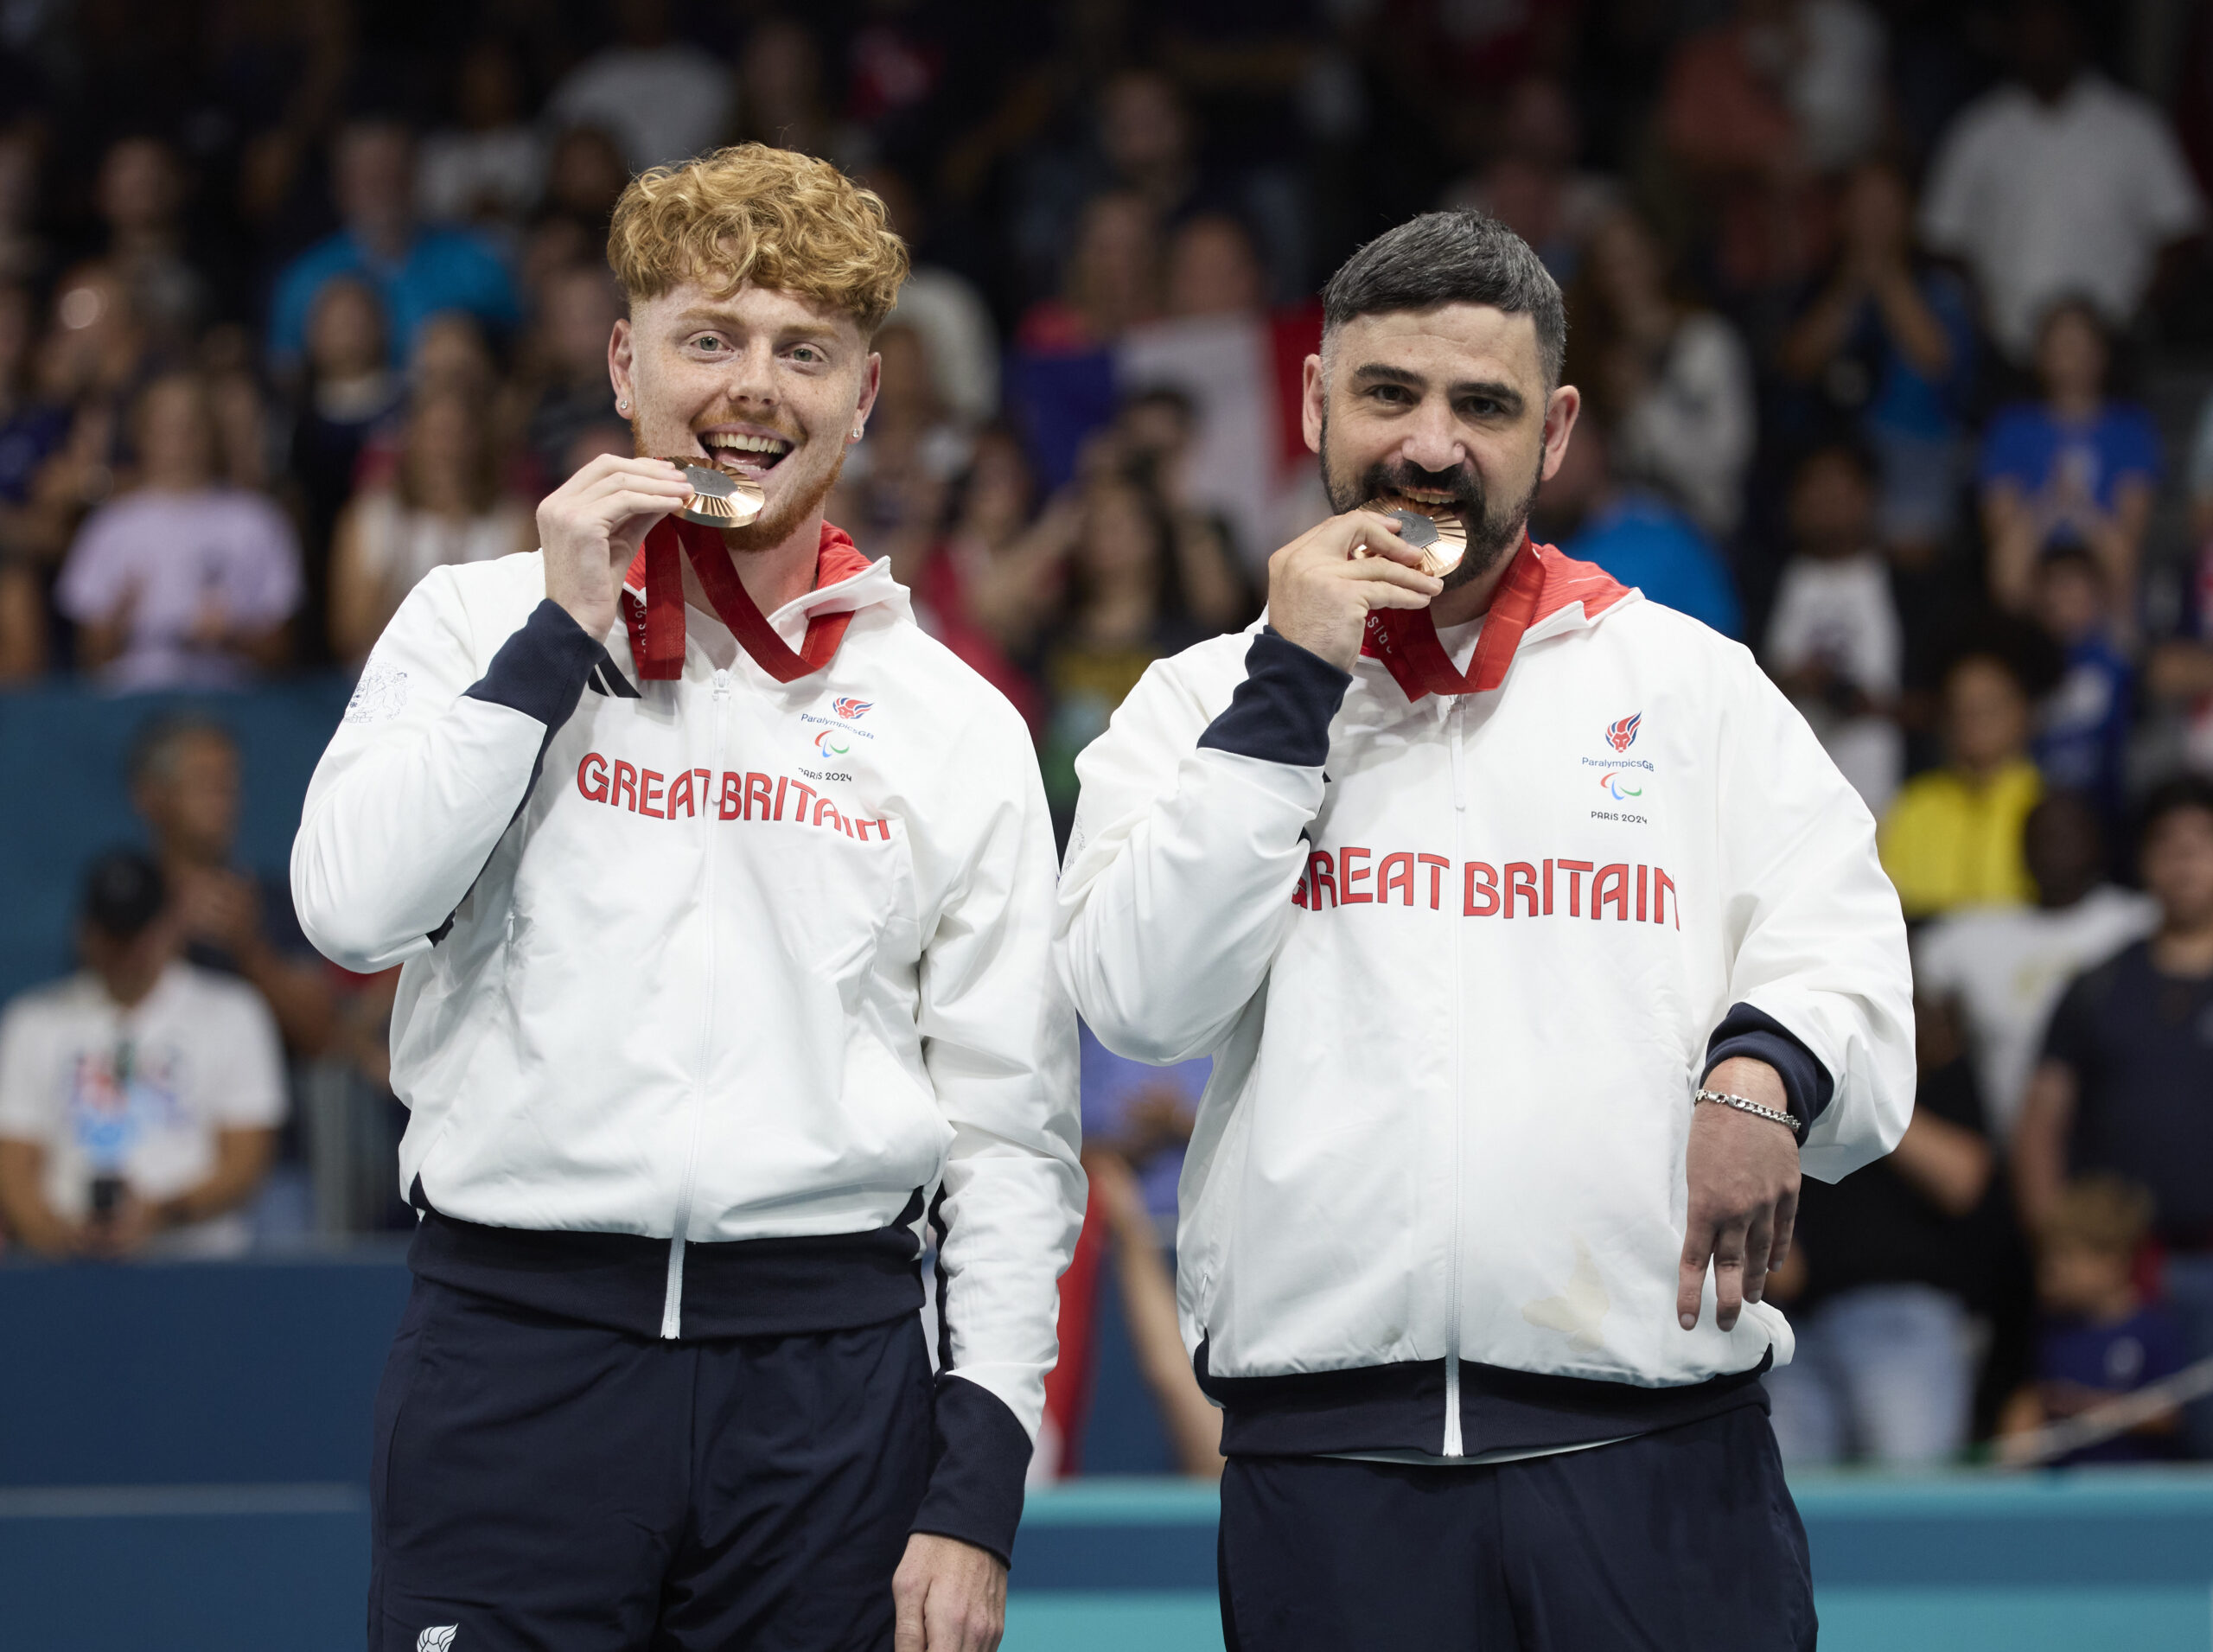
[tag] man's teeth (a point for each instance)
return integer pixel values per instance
(770, 447)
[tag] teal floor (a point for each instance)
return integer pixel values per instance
(1852, 1620)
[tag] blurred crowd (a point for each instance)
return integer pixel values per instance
(1894, 322)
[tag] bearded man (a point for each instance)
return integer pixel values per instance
(723, 897)
(1538, 947)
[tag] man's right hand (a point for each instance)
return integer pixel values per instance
(1320, 595)
(591, 526)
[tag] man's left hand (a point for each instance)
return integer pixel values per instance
(950, 1597)
(1744, 1194)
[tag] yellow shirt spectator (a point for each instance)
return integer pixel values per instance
(1952, 840)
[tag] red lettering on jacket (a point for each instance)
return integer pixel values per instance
(1488, 888)
(756, 794)
(626, 780)
(680, 793)
(1437, 867)
(1662, 887)
(1618, 872)
(1347, 876)
(1321, 872)
(799, 811)
(782, 781)
(826, 807)
(1575, 868)
(595, 792)
(1640, 895)
(1521, 879)
(1395, 871)
(731, 804)
(648, 780)
(1549, 888)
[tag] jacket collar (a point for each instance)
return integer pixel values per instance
(797, 640)
(1542, 594)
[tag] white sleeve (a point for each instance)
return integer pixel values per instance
(998, 1041)
(248, 1071)
(1949, 202)
(2167, 195)
(427, 771)
(1817, 940)
(27, 1099)
(1189, 837)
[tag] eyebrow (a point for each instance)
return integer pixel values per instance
(728, 322)
(1505, 395)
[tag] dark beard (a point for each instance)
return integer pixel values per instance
(1491, 533)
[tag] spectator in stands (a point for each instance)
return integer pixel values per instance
(1673, 380)
(24, 252)
(350, 398)
(2002, 968)
(2081, 739)
(1889, 342)
(1063, 376)
(32, 428)
(569, 391)
(416, 271)
(444, 506)
(185, 778)
(1635, 533)
(139, 1099)
(2057, 183)
(1759, 109)
(1533, 186)
(664, 100)
(781, 98)
(1126, 605)
(180, 584)
(2098, 1338)
(2126, 1085)
(946, 308)
(584, 177)
(1953, 836)
(2180, 670)
(2074, 468)
(1881, 1268)
(489, 169)
(992, 579)
(1833, 642)
(140, 196)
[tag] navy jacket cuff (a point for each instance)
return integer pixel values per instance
(1747, 1031)
(1281, 712)
(540, 670)
(978, 1455)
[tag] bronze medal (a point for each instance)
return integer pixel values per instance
(718, 499)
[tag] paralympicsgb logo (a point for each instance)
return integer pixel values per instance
(1622, 735)
(849, 709)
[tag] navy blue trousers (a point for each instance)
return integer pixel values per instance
(1684, 1540)
(545, 1484)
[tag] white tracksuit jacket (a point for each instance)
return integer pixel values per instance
(1459, 961)
(749, 973)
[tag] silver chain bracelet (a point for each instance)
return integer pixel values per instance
(1787, 1120)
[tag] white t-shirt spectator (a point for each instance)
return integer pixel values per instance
(2045, 202)
(663, 103)
(946, 308)
(2007, 966)
(1839, 612)
(180, 551)
(1691, 431)
(142, 1093)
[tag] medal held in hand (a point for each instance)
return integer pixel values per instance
(1442, 540)
(718, 499)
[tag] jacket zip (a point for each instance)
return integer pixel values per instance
(1453, 1446)
(672, 1307)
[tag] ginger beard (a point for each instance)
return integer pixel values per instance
(1388, 484)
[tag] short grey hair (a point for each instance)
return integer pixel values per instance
(1450, 257)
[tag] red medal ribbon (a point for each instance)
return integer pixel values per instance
(1538, 583)
(656, 625)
